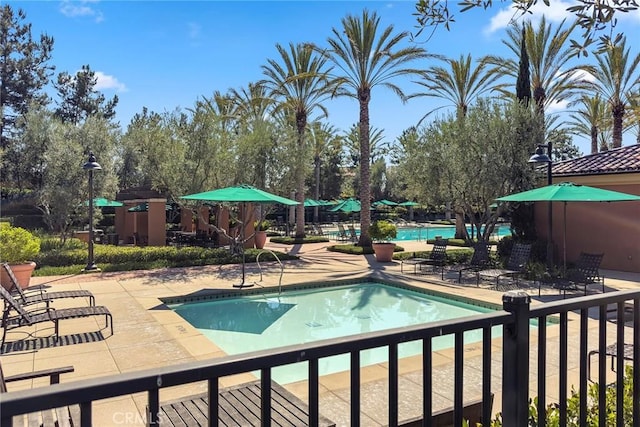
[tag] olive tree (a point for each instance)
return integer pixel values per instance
(472, 162)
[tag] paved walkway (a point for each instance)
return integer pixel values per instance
(148, 335)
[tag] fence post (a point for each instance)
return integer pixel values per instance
(515, 360)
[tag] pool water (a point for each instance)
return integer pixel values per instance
(243, 324)
(447, 232)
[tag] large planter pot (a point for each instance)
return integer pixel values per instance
(384, 251)
(260, 239)
(21, 271)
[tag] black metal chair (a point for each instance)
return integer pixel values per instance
(480, 260)
(586, 272)
(515, 267)
(437, 258)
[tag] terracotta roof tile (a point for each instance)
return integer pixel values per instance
(619, 160)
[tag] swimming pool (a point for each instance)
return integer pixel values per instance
(257, 322)
(447, 232)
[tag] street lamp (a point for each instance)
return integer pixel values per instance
(541, 157)
(90, 166)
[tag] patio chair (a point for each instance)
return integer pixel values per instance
(342, 235)
(40, 296)
(34, 316)
(611, 351)
(353, 236)
(586, 272)
(480, 260)
(437, 258)
(515, 267)
(240, 405)
(65, 416)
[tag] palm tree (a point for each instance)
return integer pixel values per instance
(301, 82)
(251, 104)
(549, 52)
(460, 83)
(590, 119)
(615, 79)
(366, 59)
(322, 136)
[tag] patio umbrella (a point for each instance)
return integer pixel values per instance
(101, 202)
(348, 206)
(384, 202)
(310, 203)
(568, 192)
(240, 194)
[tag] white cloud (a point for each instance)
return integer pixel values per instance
(105, 81)
(555, 12)
(82, 8)
(556, 107)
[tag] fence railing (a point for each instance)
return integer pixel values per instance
(515, 318)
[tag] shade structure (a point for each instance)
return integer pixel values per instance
(384, 202)
(348, 206)
(568, 192)
(310, 203)
(408, 203)
(101, 202)
(240, 194)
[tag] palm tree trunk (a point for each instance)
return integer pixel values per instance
(301, 123)
(594, 139)
(365, 171)
(618, 113)
(316, 193)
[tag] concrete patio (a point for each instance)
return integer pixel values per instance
(147, 334)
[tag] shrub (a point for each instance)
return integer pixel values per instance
(298, 241)
(17, 245)
(382, 231)
(262, 225)
(592, 410)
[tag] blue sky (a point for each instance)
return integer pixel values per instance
(165, 55)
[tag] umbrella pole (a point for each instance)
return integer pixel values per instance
(244, 223)
(564, 237)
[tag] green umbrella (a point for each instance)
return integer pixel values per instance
(347, 206)
(101, 202)
(568, 192)
(384, 202)
(240, 194)
(310, 203)
(408, 204)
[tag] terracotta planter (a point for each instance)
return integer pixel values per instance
(260, 239)
(384, 251)
(21, 271)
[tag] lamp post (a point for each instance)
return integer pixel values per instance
(541, 157)
(90, 166)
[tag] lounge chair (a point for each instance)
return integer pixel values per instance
(40, 296)
(342, 235)
(480, 260)
(437, 258)
(586, 272)
(45, 314)
(353, 236)
(515, 267)
(65, 416)
(240, 405)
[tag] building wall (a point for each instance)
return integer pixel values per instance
(612, 228)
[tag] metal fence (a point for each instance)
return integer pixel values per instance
(515, 318)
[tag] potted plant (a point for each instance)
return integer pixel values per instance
(381, 232)
(18, 247)
(260, 237)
